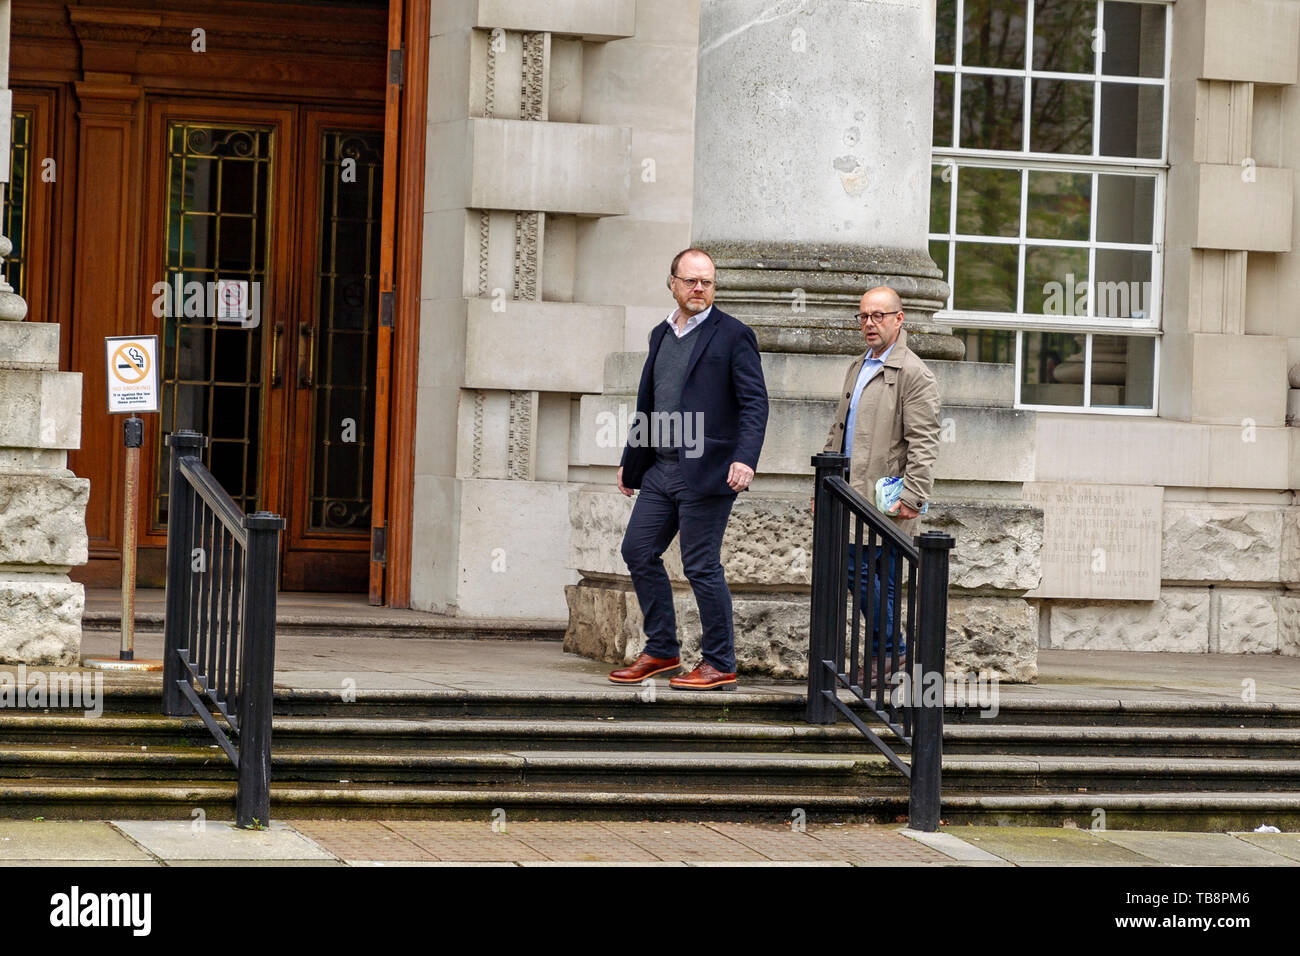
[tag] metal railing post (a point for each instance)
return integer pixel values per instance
(176, 636)
(826, 590)
(257, 668)
(930, 657)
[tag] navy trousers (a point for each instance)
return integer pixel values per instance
(665, 507)
(869, 583)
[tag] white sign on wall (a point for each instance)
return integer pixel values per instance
(132, 373)
(1099, 541)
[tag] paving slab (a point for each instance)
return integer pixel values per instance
(458, 841)
(78, 864)
(367, 840)
(589, 842)
(65, 840)
(952, 846)
(429, 863)
(1048, 845)
(1283, 844)
(688, 842)
(1195, 849)
(176, 840)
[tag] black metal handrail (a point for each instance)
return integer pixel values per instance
(895, 689)
(219, 627)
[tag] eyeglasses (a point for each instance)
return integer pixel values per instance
(692, 283)
(875, 317)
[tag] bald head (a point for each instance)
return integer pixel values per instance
(880, 333)
(883, 298)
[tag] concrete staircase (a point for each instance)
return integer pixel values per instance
(610, 754)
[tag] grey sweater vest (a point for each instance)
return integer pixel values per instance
(669, 375)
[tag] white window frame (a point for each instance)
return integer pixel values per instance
(1025, 159)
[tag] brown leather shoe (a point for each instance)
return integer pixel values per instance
(704, 677)
(643, 667)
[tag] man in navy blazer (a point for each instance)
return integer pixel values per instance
(694, 442)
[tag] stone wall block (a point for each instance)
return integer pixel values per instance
(1178, 621)
(40, 621)
(1248, 622)
(29, 345)
(768, 539)
(998, 546)
(1216, 544)
(43, 520)
(40, 409)
(1289, 571)
(1288, 624)
(996, 635)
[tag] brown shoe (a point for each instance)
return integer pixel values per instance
(704, 677)
(643, 667)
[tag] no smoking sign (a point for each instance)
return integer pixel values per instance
(132, 373)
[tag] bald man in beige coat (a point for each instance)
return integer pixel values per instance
(889, 409)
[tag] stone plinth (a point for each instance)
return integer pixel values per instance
(767, 558)
(42, 504)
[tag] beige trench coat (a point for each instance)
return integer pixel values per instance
(896, 431)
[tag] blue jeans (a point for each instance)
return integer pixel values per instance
(870, 584)
(665, 506)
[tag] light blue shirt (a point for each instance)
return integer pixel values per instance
(869, 369)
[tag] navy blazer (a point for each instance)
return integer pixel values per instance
(724, 382)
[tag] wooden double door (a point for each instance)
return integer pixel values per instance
(262, 235)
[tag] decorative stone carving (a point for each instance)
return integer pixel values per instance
(484, 234)
(477, 452)
(532, 89)
(528, 227)
(490, 85)
(522, 436)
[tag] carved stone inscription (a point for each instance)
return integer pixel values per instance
(1099, 541)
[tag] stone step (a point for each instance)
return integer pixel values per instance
(1157, 810)
(737, 705)
(793, 773)
(417, 734)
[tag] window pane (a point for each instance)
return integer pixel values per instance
(943, 100)
(1123, 371)
(988, 201)
(1056, 280)
(1064, 36)
(940, 196)
(1135, 39)
(1052, 370)
(939, 253)
(989, 345)
(1132, 120)
(1061, 121)
(945, 29)
(992, 112)
(1123, 289)
(1059, 205)
(985, 277)
(1125, 208)
(994, 33)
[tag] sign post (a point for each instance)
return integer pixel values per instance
(132, 387)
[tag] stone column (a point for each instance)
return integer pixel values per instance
(812, 167)
(42, 504)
